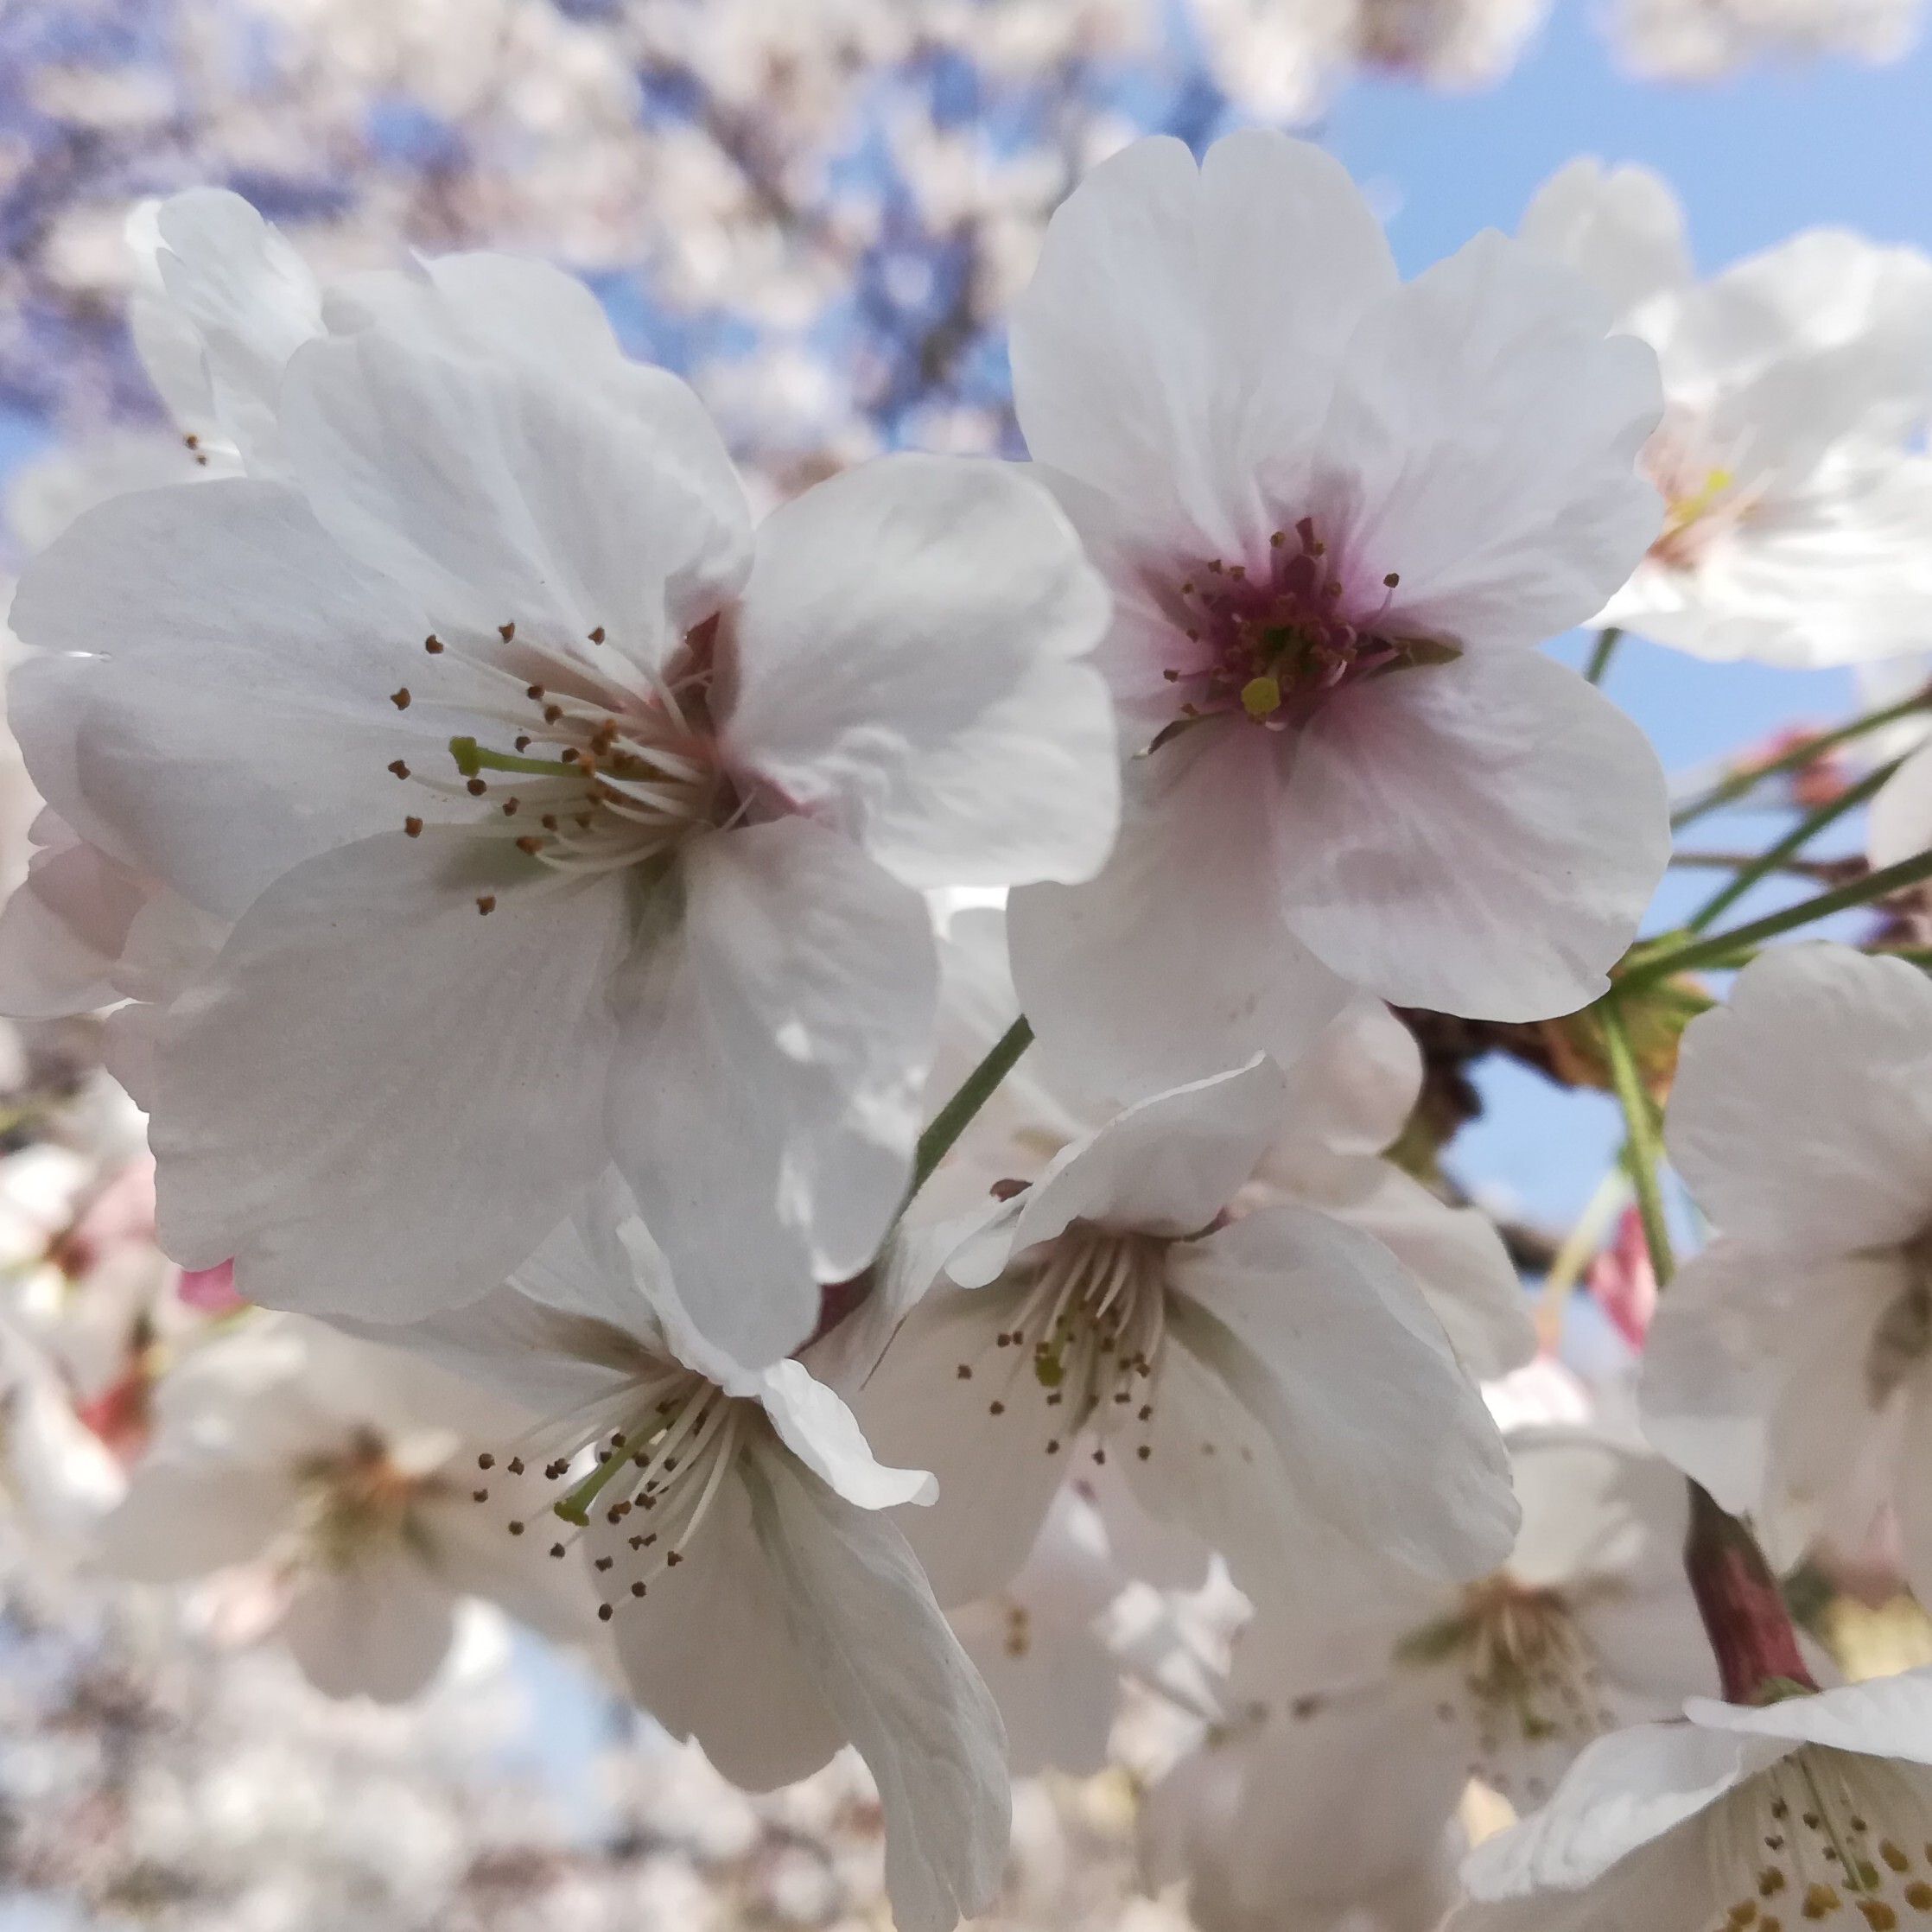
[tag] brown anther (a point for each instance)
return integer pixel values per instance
(476, 788)
(432, 644)
(510, 807)
(1394, 578)
(485, 1460)
(413, 827)
(1054, 1445)
(531, 843)
(637, 1589)
(548, 821)
(400, 699)
(557, 1549)
(638, 1542)
(965, 1373)
(1008, 1190)
(1100, 1456)
(552, 713)
(570, 755)
(525, 742)
(1146, 1412)
(673, 1558)
(605, 1562)
(193, 441)
(604, 1613)
(480, 1496)
(401, 769)
(1143, 1451)
(507, 630)
(603, 1456)
(996, 1409)
(486, 903)
(533, 690)
(516, 1529)
(1279, 537)
(1172, 677)
(597, 636)
(617, 1440)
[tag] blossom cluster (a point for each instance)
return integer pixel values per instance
(834, 1102)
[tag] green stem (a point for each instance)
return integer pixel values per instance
(974, 1090)
(1601, 652)
(1738, 783)
(1715, 950)
(1805, 829)
(1640, 1124)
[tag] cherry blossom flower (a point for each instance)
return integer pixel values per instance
(1407, 1693)
(563, 818)
(337, 1470)
(1247, 1376)
(1798, 503)
(1789, 1367)
(1337, 513)
(1810, 1809)
(758, 1595)
(1349, 1097)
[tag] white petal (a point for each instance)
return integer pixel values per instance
(907, 648)
(997, 1480)
(825, 1436)
(1355, 1088)
(1166, 1166)
(63, 931)
(1621, 228)
(227, 632)
(1884, 1717)
(1899, 824)
(502, 492)
(709, 1651)
(250, 298)
(1177, 961)
(1913, 1499)
(1625, 1792)
(1057, 1689)
(859, 1609)
(1170, 340)
(766, 1096)
(182, 1519)
(1482, 444)
(1801, 1114)
(327, 1119)
(381, 1627)
(1381, 1428)
(1593, 1508)
(1479, 837)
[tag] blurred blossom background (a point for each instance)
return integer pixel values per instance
(818, 212)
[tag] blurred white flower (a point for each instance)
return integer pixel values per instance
(1798, 502)
(1700, 40)
(722, 765)
(1337, 513)
(334, 1469)
(1789, 1367)
(1407, 1695)
(1814, 1807)
(759, 1595)
(1249, 1376)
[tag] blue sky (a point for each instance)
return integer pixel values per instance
(1752, 159)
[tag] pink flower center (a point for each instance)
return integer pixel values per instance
(1278, 642)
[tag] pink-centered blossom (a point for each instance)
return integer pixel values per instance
(1337, 513)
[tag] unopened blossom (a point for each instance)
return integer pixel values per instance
(343, 1474)
(1349, 1097)
(1797, 498)
(759, 1595)
(1407, 1693)
(1811, 1809)
(1789, 1367)
(562, 817)
(1246, 1375)
(1337, 513)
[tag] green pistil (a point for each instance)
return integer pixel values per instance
(471, 758)
(575, 1505)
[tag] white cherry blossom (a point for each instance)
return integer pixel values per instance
(1246, 1376)
(1406, 1692)
(1789, 1367)
(562, 816)
(759, 1595)
(1338, 513)
(342, 1472)
(1813, 1809)
(1348, 1097)
(1798, 501)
